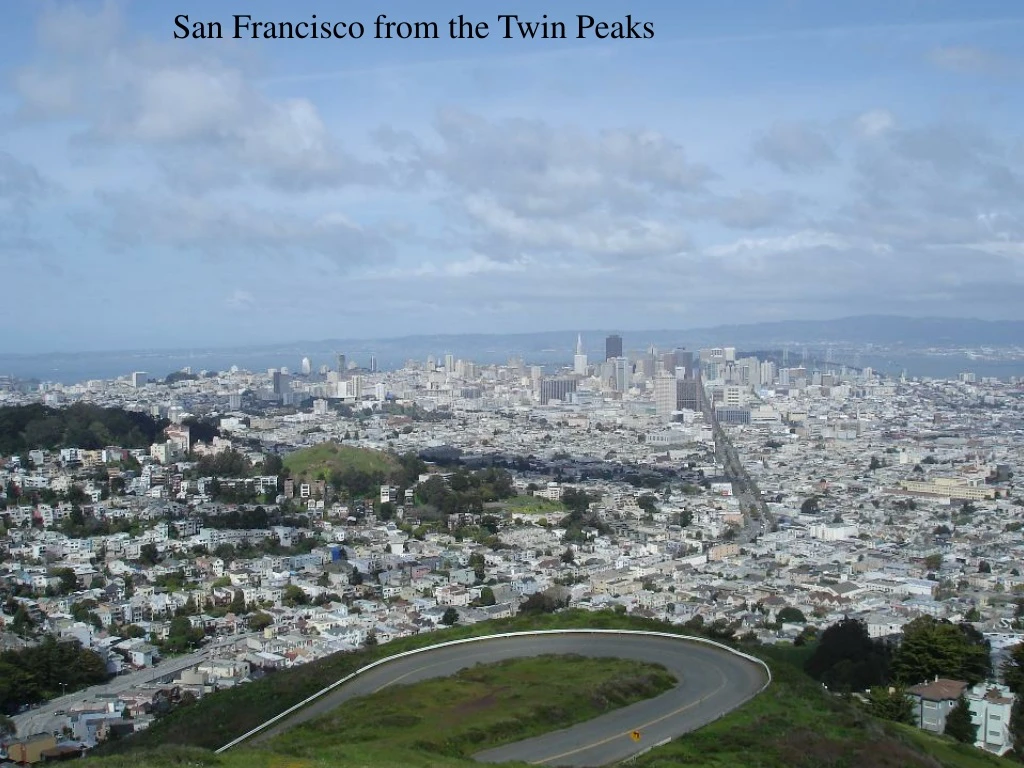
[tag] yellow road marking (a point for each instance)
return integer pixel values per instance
(648, 724)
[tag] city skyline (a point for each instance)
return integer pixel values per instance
(751, 162)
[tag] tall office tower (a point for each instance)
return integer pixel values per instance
(767, 372)
(235, 401)
(536, 374)
(341, 363)
(684, 359)
(278, 380)
(623, 373)
(690, 394)
(668, 361)
(613, 346)
(449, 363)
(431, 363)
(665, 397)
(373, 363)
(579, 360)
(307, 366)
(139, 379)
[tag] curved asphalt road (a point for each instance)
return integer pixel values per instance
(711, 683)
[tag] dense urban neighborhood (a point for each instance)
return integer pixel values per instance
(162, 539)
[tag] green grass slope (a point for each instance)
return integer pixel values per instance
(319, 461)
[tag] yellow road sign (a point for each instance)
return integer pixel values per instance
(634, 735)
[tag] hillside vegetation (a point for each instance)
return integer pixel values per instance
(796, 723)
(26, 427)
(321, 461)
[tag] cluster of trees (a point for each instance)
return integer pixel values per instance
(466, 492)
(847, 659)
(27, 427)
(578, 502)
(46, 670)
(228, 463)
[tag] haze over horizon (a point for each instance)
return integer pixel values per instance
(753, 162)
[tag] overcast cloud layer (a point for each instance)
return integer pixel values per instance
(802, 162)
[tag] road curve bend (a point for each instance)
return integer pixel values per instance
(712, 680)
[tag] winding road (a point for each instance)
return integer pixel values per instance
(713, 680)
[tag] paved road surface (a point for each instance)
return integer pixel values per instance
(44, 719)
(711, 683)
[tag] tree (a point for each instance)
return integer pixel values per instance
(293, 596)
(1017, 725)
(847, 659)
(933, 647)
(487, 596)
(237, 605)
(891, 704)
(984, 567)
(810, 506)
(148, 554)
(568, 557)
(648, 503)
(959, 724)
(875, 464)
(789, 614)
(1013, 670)
(933, 562)
(68, 580)
(7, 727)
(259, 621)
(450, 617)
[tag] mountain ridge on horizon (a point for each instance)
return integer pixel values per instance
(857, 329)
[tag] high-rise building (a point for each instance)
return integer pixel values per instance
(373, 363)
(449, 363)
(341, 363)
(612, 346)
(665, 394)
(557, 389)
(690, 394)
(579, 360)
(139, 379)
(307, 366)
(623, 371)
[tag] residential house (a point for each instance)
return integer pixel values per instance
(933, 702)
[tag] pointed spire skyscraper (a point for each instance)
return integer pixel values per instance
(579, 360)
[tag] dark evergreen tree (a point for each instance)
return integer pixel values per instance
(959, 724)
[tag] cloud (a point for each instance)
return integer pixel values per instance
(875, 122)
(795, 148)
(238, 229)
(21, 184)
(192, 108)
(520, 188)
(752, 209)
(967, 60)
(240, 300)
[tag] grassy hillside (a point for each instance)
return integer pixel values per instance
(794, 724)
(319, 461)
(478, 708)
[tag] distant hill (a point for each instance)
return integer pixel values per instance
(322, 461)
(542, 348)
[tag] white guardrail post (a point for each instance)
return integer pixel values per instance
(528, 633)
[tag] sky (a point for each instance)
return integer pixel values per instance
(755, 160)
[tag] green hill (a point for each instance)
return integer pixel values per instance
(794, 724)
(321, 461)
